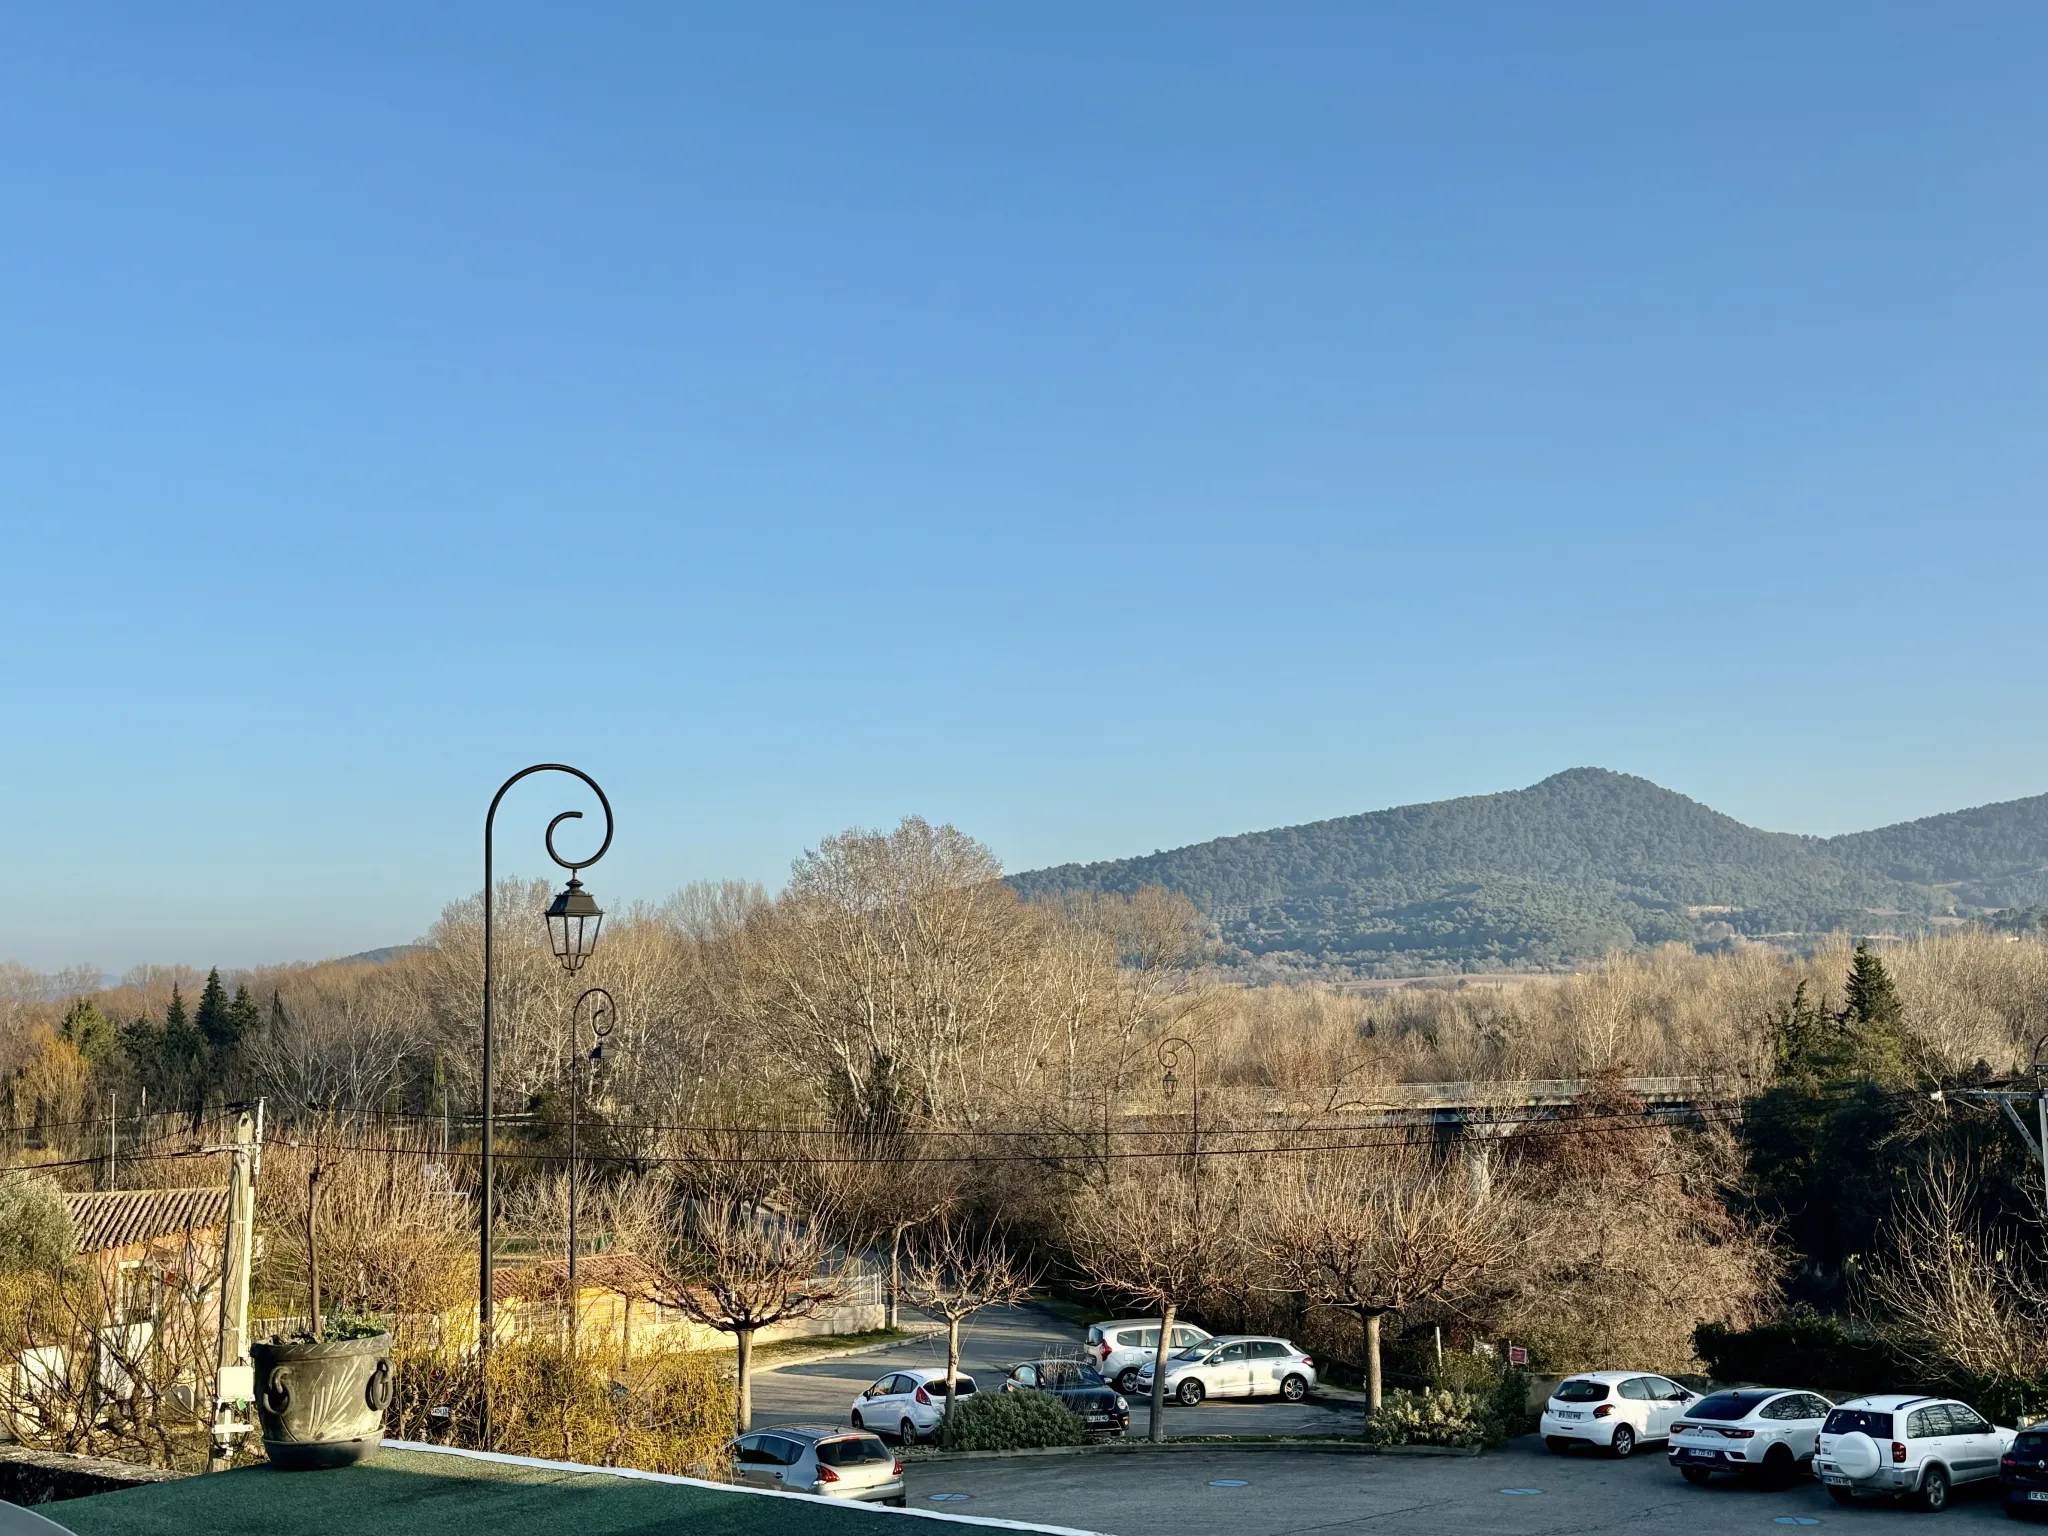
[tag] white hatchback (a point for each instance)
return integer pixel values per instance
(1234, 1367)
(1119, 1350)
(1615, 1410)
(1764, 1432)
(907, 1404)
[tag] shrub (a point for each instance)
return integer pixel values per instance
(1010, 1421)
(1804, 1347)
(1502, 1389)
(35, 1229)
(1434, 1417)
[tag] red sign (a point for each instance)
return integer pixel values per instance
(1517, 1355)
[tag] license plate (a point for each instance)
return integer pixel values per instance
(1565, 1413)
(1702, 1455)
(2037, 1498)
(1830, 1477)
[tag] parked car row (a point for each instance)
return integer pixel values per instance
(1894, 1445)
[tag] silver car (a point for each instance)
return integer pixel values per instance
(1234, 1367)
(1119, 1350)
(829, 1460)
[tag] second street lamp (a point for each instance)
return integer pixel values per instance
(602, 1014)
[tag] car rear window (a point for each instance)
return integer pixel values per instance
(1728, 1405)
(852, 1451)
(1847, 1421)
(1095, 1336)
(963, 1386)
(2031, 1444)
(1581, 1392)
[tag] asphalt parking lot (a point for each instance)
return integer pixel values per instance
(1267, 1493)
(997, 1339)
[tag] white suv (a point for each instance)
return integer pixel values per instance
(1121, 1349)
(1616, 1410)
(1900, 1444)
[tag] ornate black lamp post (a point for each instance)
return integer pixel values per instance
(602, 1014)
(573, 922)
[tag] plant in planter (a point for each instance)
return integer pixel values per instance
(321, 1394)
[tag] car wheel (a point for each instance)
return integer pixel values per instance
(1624, 1445)
(1840, 1495)
(1779, 1467)
(1933, 1495)
(907, 1432)
(1294, 1389)
(1191, 1392)
(1699, 1477)
(1127, 1381)
(857, 1424)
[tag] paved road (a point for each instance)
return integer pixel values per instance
(1000, 1337)
(1293, 1493)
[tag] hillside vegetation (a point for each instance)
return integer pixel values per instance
(1582, 864)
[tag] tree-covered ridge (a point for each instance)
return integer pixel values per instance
(1585, 862)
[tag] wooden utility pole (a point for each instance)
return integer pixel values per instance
(234, 1376)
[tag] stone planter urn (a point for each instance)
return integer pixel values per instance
(321, 1404)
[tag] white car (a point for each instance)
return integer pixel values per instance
(1765, 1432)
(1234, 1367)
(1902, 1445)
(908, 1404)
(1615, 1410)
(1119, 1350)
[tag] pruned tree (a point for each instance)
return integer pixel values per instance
(1142, 1231)
(956, 1271)
(1373, 1233)
(738, 1267)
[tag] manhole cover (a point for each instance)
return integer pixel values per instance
(948, 1498)
(1228, 1482)
(1521, 1490)
(1795, 1520)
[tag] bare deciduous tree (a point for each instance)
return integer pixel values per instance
(1371, 1233)
(1142, 1231)
(1956, 1294)
(955, 1272)
(739, 1268)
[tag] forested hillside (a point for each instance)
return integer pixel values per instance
(1581, 864)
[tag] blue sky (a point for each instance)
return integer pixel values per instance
(1103, 427)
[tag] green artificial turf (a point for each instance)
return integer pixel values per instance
(416, 1493)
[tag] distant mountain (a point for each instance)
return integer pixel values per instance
(1585, 862)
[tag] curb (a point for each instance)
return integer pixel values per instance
(927, 1456)
(829, 1352)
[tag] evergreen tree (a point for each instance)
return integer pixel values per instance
(212, 1018)
(244, 1018)
(1871, 998)
(88, 1030)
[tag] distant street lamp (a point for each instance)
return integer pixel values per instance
(601, 1018)
(573, 922)
(1176, 1051)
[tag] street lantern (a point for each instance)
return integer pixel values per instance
(573, 920)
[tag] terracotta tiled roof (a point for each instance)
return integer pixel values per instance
(119, 1217)
(625, 1273)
